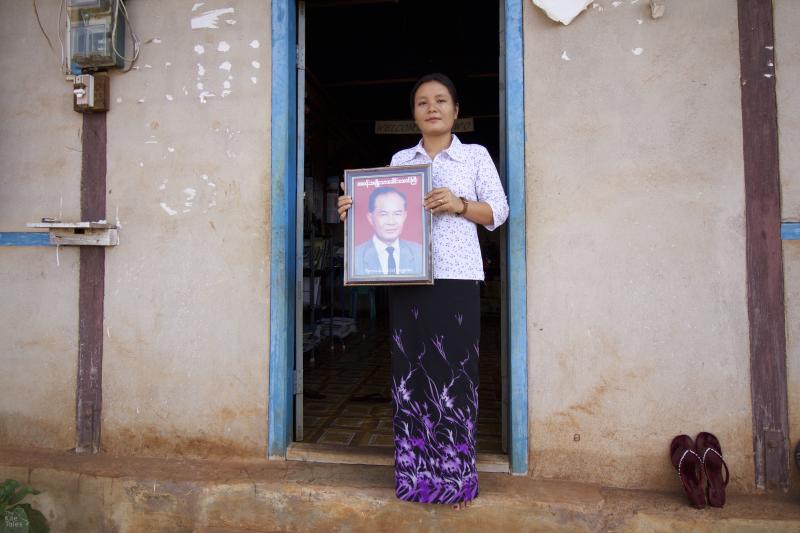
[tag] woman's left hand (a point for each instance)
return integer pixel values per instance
(442, 200)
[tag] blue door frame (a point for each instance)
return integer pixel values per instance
(283, 228)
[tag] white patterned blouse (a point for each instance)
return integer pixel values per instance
(468, 171)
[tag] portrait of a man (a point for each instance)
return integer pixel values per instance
(385, 252)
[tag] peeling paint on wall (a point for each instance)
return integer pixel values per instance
(563, 11)
(210, 19)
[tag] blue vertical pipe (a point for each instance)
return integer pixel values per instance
(516, 297)
(282, 226)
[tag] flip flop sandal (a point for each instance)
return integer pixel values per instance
(690, 469)
(707, 445)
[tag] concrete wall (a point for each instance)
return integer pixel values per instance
(186, 312)
(186, 304)
(638, 326)
(41, 152)
(787, 61)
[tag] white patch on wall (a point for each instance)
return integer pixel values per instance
(210, 19)
(230, 21)
(616, 3)
(197, 6)
(190, 194)
(170, 149)
(564, 56)
(167, 64)
(167, 209)
(254, 79)
(225, 65)
(254, 43)
(637, 51)
(199, 49)
(169, 97)
(223, 46)
(119, 100)
(146, 65)
(155, 40)
(563, 11)
(201, 70)
(256, 64)
(226, 84)
(203, 96)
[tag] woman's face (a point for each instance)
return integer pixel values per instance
(434, 109)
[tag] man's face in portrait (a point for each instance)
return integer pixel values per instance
(388, 217)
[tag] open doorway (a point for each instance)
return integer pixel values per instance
(361, 59)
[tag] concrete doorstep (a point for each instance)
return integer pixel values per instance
(104, 493)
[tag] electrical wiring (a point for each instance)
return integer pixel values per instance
(49, 42)
(62, 30)
(119, 5)
(119, 9)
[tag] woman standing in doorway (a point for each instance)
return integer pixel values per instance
(436, 329)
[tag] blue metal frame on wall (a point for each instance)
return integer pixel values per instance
(517, 289)
(25, 238)
(283, 255)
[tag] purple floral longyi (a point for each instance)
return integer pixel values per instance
(435, 411)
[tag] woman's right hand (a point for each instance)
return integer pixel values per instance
(344, 204)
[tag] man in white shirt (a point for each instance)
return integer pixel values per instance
(385, 253)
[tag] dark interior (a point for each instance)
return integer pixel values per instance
(362, 58)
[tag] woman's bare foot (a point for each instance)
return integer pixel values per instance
(461, 505)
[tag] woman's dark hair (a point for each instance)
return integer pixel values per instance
(441, 78)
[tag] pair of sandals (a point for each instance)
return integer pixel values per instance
(700, 468)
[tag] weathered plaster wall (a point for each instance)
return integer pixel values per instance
(638, 324)
(41, 153)
(787, 60)
(186, 312)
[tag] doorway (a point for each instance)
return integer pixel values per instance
(376, 64)
(360, 61)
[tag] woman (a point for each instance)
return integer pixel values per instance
(436, 329)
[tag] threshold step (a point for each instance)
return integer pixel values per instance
(369, 455)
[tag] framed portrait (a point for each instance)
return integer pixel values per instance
(387, 234)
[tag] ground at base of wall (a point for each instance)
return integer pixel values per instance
(121, 494)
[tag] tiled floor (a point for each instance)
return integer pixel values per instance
(347, 397)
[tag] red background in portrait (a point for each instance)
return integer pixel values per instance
(412, 229)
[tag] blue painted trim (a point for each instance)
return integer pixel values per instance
(517, 289)
(25, 238)
(790, 231)
(282, 257)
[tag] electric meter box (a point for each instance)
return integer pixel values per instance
(91, 28)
